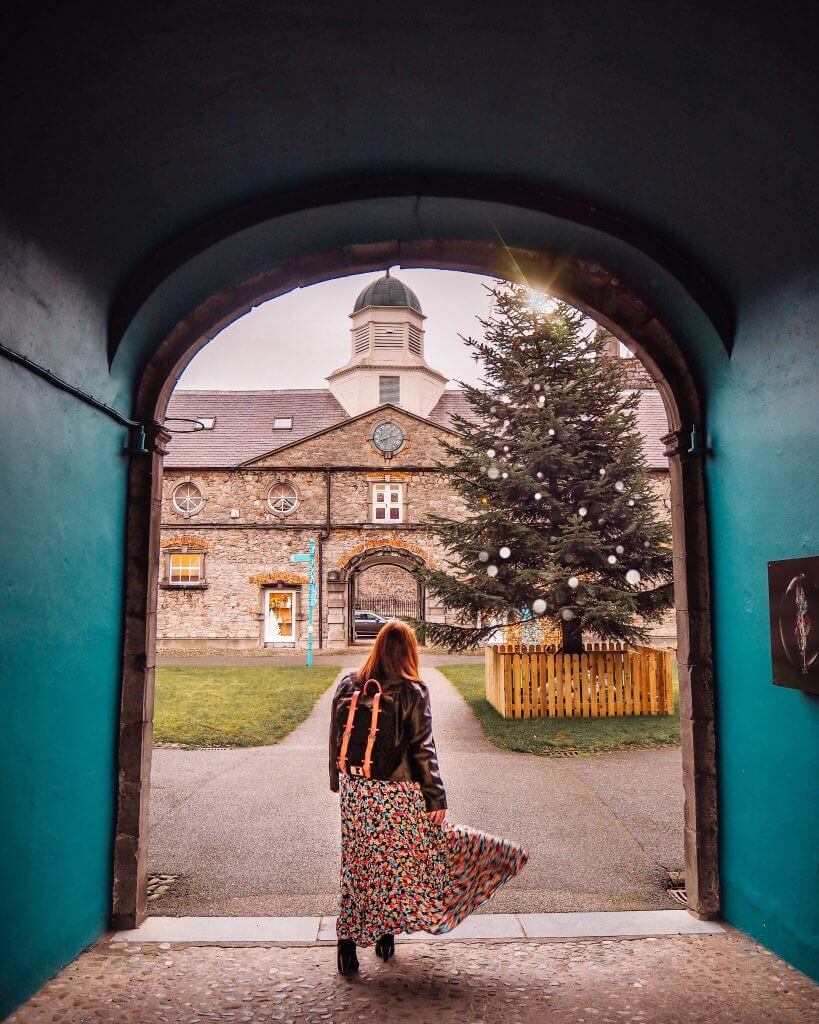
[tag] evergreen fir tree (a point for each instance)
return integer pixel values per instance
(559, 516)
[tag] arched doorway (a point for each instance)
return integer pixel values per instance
(584, 285)
(383, 579)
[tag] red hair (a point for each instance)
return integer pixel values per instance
(394, 655)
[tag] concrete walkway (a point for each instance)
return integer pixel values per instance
(254, 832)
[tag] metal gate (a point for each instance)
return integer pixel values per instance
(392, 607)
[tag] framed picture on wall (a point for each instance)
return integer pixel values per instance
(793, 594)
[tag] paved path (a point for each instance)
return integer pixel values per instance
(721, 979)
(255, 831)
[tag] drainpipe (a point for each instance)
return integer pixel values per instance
(324, 533)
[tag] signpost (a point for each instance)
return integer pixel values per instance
(312, 599)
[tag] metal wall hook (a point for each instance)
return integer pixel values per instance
(696, 447)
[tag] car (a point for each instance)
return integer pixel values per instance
(368, 623)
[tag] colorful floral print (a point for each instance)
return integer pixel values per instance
(402, 873)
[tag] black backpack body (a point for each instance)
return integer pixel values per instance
(367, 720)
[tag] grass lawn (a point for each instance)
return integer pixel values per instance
(555, 737)
(235, 707)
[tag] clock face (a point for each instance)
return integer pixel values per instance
(388, 437)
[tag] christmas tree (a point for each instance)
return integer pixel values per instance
(559, 519)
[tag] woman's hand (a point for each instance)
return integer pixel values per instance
(437, 817)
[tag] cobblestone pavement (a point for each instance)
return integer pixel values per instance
(713, 979)
(255, 831)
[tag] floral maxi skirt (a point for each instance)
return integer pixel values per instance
(402, 873)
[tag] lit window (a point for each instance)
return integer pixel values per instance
(208, 422)
(185, 569)
(282, 498)
(388, 503)
(283, 423)
(187, 498)
(389, 390)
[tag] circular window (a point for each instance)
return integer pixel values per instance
(187, 498)
(282, 498)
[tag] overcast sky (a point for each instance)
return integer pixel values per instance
(296, 340)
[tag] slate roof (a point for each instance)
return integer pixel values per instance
(653, 424)
(244, 423)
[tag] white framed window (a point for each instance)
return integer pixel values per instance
(186, 568)
(389, 390)
(187, 498)
(282, 498)
(388, 503)
(283, 423)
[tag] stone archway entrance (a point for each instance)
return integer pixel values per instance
(388, 590)
(382, 579)
(589, 288)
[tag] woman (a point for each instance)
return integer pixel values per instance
(403, 867)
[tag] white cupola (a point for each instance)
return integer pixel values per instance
(387, 361)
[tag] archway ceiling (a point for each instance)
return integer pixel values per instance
(685, 130)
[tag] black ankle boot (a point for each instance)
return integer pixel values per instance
(347, 960)
(385, 947)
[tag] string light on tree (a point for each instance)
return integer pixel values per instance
(483, 556)
(505, 552)
(491, 570)
(633, 577)
(574, 582)
(538, 606)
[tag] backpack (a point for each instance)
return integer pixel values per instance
(367, 721)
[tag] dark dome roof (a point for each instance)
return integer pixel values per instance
(387, 291)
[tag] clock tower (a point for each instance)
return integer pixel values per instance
(387, 362)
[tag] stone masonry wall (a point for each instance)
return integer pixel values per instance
(244, 539)
(386, 581)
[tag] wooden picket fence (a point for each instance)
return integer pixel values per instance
(607, 680)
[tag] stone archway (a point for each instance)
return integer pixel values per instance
(587, 286)
(343, 585)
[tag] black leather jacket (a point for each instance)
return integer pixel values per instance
(419, 761)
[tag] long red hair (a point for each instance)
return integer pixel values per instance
(394, 655)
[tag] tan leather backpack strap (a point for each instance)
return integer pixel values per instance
(348, 728)
(368, 751)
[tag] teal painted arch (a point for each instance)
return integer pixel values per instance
(307, 246)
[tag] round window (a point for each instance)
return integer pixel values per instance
(187, 498)
(282, 498)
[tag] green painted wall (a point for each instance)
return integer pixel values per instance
(61, 586)
(764, 504)
(62, 505)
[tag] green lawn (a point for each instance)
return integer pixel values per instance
(235, 707)
(556, 737)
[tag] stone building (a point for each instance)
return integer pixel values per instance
(352, 467)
